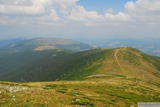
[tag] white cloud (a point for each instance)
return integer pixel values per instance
(90, 18)
(141, 11)
(49, 10)
(27, 11)
(21, 10)
(144, 11)
(143, 6)
(60, 11)
(120, 17)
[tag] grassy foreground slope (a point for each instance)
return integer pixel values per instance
(108, 92)
(119, 77)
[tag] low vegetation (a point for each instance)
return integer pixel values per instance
(90, 79)
(111, 92)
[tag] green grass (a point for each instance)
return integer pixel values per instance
(67, 65)
(62, 90)
(121, 91)
(83, 102)
(42, 66)
(52, 86)
(108, 91)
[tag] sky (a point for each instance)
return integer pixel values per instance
(80, 19)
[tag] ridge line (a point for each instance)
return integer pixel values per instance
(118, 61)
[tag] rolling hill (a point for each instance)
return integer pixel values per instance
(8, 42)
(51, 65)
(119, 77)
(40, 44)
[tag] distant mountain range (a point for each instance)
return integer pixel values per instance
(47, 59)
(39, 44)
(4, 43)
(148, 46)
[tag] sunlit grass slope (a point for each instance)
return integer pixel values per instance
(119, 77)
(52, 65)
(130, 63)
(108, 92)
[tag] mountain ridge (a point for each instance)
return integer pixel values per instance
(115, 77)
(40, 44)
(148, 45)
(51, 65)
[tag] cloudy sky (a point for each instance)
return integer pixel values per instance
(80, 18)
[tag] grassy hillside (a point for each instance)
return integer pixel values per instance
(119, 77)
(129, 63)
(67, 65)
(41, 44)
(20, 64)
(109, 92)
(50, 65)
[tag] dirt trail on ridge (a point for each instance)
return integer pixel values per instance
(116, 52)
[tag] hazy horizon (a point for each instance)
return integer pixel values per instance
(79, 19)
